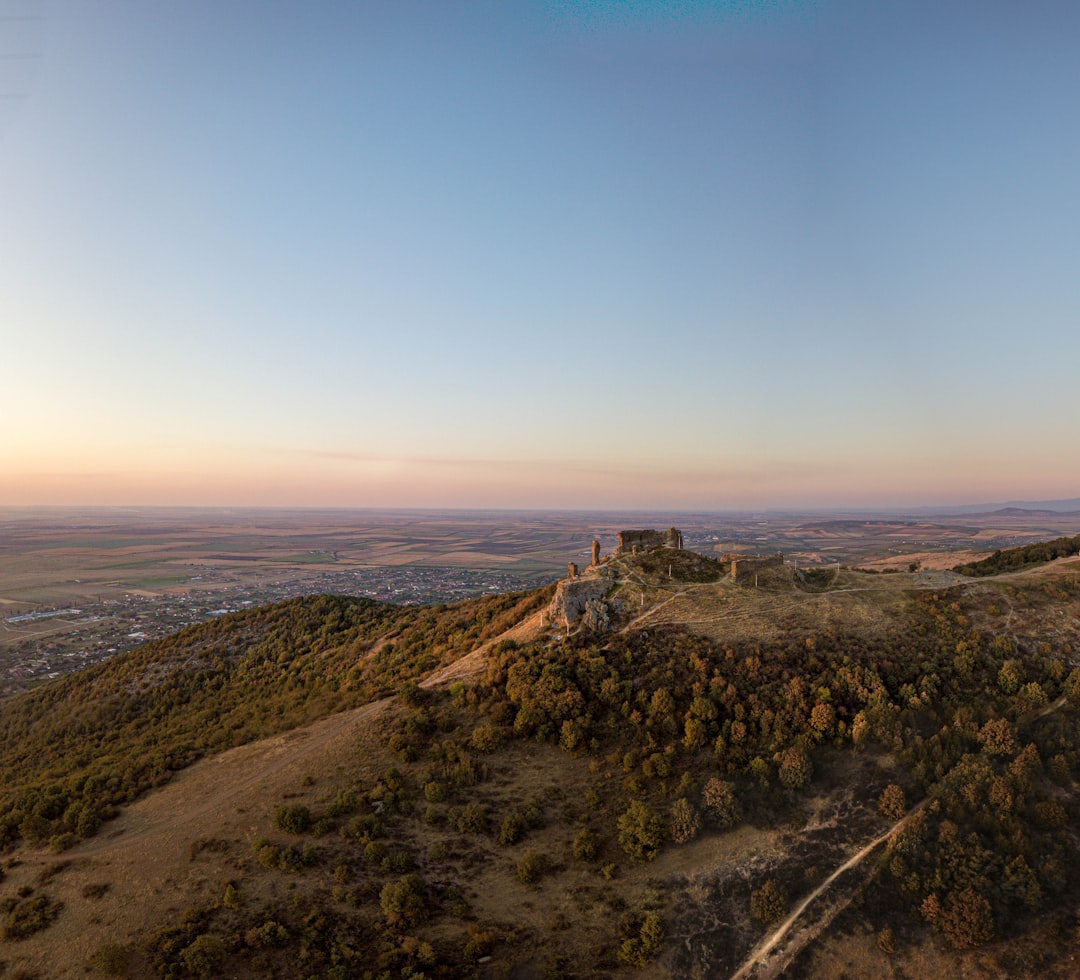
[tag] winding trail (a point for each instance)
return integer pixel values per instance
(760, 952)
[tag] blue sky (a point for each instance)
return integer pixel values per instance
(543, 253)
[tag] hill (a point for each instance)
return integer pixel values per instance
(340, 788)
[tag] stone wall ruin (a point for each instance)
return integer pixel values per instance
(629, 541)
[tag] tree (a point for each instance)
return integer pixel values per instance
(1011, 674)
(891, 803)
(795, 768)
(718, 798)
(769, 902)
(967, 919)
(998, 737)
(402, 901)
(641, 950)
(641, 832)
(685, 821)
(822, 720)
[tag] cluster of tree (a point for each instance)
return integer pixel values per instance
(1013, 559)
(70, 752)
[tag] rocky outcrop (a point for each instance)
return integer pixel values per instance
(576, 597)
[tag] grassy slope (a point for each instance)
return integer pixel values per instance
(75, 749)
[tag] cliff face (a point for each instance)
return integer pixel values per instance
(573, 597)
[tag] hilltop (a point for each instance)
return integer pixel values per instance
(647, 781)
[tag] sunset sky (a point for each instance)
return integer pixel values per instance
(539, 253)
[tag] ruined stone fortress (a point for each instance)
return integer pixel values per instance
(581, 596)
(630, 542)
(577, 597)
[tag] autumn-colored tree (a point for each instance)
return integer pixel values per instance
(1072, 686)
(891, 803)
(769, 902)
(1010, 676)
(685, 821)
(795, 768)
(967, 919)
(998, 737)
(718, 798)
(1030, 696)
(823, 720)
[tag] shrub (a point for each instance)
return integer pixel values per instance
(485, 738)
(586, 845)
(293, 819)
(412, 694)
(967, 919)
(344, 804)
(470, 819)
(438, 851)
(28, 915)
(111, 960)
(512, 829)
(231, 898)
(531, 867)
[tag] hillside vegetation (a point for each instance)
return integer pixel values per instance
(1015, 559)
(76, 749)
(650, 798)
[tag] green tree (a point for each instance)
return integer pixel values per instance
(294, 819)
(640, 951)
(204, 956)
(402, 901)
(641, 832)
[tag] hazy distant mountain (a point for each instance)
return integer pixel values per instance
(1014, 508)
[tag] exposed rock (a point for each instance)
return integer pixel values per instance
(573, 595)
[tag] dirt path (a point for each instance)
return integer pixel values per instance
(634, 623)
(766, 946)
(760, 952)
